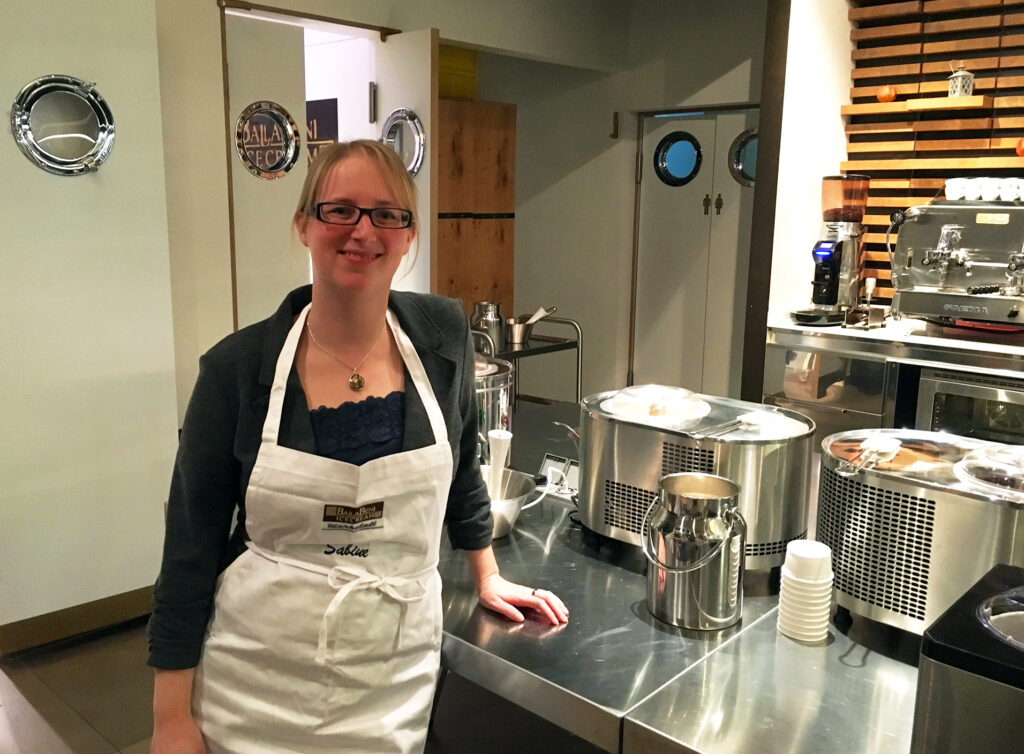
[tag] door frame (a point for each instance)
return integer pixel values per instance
(641, 118)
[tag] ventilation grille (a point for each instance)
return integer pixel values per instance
(759, 549)
(625, 506)
(977, 379)
(881, 543)
(679, 458)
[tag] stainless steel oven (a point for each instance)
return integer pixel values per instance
(988, 406)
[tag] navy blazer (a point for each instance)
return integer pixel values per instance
(220, 439)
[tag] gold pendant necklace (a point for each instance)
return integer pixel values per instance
(356, 382)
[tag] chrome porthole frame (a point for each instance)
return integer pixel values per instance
(391, 134)
(288, 146)
(736, 165)
(31, 144)
(661, 158)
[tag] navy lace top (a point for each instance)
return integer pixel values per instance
(357, 432)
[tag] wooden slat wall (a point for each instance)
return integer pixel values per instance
(910, 146)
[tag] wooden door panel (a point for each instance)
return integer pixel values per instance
(474, 259)
(477, 157)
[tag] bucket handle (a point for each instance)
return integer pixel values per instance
(735, 517)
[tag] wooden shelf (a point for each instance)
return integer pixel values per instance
(949, 164)
(973, 102)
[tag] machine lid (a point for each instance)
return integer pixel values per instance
(996, 470)
(909, 454)
(485, 367)
(658, 405)
(961, 639)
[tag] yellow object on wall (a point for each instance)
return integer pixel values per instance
(456, 72)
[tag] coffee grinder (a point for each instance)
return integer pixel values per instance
(836, 256)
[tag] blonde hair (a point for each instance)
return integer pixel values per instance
(386, 159)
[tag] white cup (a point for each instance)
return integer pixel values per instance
(972, 189)
(990, 188)
(956, 188)
(1009, 189)
(809, 560)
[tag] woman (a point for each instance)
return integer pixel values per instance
(315, 624)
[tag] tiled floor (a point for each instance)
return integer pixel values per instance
(90, 696)
(93, 696)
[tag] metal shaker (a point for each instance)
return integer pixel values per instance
(693, 536)
(487, 318)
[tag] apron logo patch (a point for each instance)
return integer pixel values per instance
(346, 518)
(349, 549)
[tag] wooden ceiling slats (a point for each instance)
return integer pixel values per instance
(961, 45)
(887, 71)
(889, 51)
(880, 146)
(889, 10)
(910, 146)
(926, 126)
(887, 32)
(949, 165)
(945, 6)
(963, 24)
(946, 67)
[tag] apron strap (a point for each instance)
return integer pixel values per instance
(285, 359)
(419, 379)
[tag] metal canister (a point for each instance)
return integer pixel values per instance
(693, 536)
(487, 318)
(493, 385)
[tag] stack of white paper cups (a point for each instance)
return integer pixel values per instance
(805, 597)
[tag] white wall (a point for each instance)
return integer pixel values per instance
(342, 70)
(575, 184)
(88, 378)
(813, 141)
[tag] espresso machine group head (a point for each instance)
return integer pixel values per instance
(836, 255)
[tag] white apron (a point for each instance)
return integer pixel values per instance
(326, 632)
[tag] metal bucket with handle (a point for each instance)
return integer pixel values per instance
(693, 535)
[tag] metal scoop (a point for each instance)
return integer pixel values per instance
(873, 450)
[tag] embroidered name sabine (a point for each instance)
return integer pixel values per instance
(349, 549)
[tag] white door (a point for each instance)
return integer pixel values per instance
(693, 240)
(406, 76)
(265, 63)
(673, 242)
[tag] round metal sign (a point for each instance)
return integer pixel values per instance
(267, 139)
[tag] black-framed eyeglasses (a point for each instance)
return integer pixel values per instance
(335, 213)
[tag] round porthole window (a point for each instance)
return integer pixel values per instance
(63, 125)
(743, 157)
(267, 139)
(677, 158)
(403, 132)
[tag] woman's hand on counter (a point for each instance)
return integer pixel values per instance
(502, 596)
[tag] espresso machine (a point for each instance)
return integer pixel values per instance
(836, 283)
(961, 263)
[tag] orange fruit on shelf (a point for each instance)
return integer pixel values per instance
(886, 93)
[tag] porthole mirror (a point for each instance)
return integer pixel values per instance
(403, 132)
(677, 158)
(267, 139)
(63, 125)
(743, 157)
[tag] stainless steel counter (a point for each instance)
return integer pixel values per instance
(765, 692)
(622, 681)
(906, 340)
(612, 655)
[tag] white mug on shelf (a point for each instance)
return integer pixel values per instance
(956, 188)
(990, 188)
(972, 189)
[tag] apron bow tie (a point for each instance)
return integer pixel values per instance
(346, 579)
